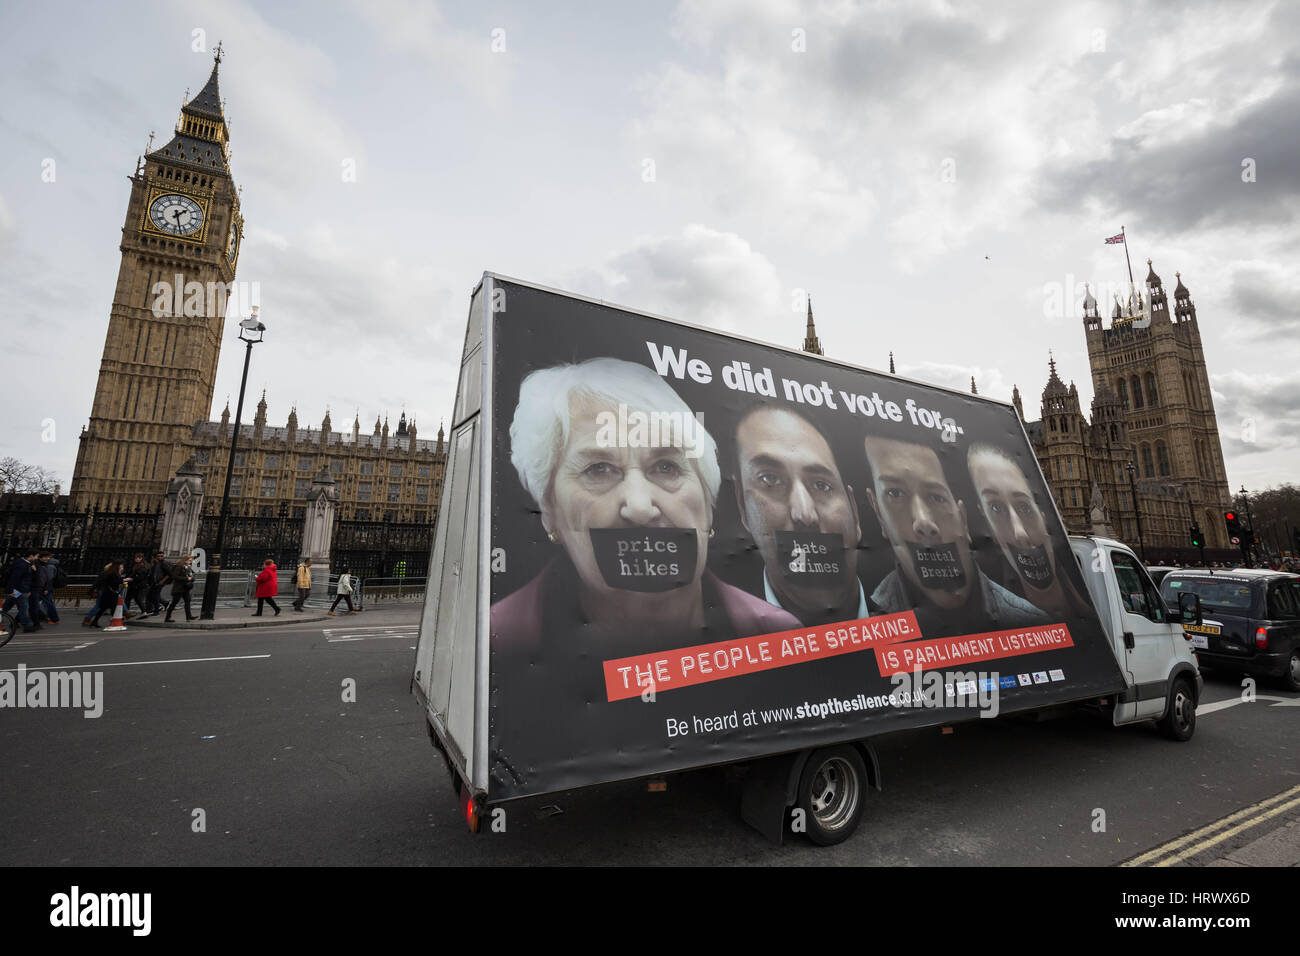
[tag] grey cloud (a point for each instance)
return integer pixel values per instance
(1196, 182)
(1270, 307)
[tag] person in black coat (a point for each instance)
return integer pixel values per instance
(22, 580)
(158, 575)
(182, 585)
(107, 586)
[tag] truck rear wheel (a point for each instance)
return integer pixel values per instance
(1179, 721)
(832, 791)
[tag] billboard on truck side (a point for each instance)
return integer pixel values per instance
(699, 548)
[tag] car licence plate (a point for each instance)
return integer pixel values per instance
(1199, 634)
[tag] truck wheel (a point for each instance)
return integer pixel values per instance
(831, 794)
(1179, 721)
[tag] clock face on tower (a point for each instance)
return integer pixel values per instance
(232, 244)
(176, 214)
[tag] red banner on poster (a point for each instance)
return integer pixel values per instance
(667, 670)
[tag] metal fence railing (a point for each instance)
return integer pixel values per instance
(384, 591)
(238, 586)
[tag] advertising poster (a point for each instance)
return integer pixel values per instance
(706, 549)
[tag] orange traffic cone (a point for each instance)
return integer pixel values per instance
(116, 624)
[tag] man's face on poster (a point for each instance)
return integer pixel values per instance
(924, 522)
(1012, 513)
(798, 510)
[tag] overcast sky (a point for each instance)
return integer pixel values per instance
(939, 178)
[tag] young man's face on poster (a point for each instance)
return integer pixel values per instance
(922, 519)
(798, 510)
(1014, 516)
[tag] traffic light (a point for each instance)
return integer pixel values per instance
(1197, 540)
(1234, 525)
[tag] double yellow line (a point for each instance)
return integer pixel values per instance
(1198, 841)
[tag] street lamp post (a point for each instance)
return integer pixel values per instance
(250, 332)
(1137, 512)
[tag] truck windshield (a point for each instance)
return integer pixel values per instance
(1225, 595)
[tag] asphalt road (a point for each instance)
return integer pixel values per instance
(251, 728)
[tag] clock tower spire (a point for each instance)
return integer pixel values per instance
(179, 248)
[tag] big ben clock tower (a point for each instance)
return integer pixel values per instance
(180, 247)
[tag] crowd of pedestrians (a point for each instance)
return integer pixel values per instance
(33, 577)
(30, 585)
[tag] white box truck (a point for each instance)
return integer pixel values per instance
(660, 548)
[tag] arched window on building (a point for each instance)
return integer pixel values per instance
(1114, 435)
(1162, 458)
(1148, 468)
(1123, 393)
(1137, 392)
(1152, 399)
(1051, 423)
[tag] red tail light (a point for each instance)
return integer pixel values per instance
(1261, 637)
(470, 810)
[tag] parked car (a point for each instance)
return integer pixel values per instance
(1251, 620)
(1158, 572)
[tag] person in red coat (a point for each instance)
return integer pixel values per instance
(267, 586)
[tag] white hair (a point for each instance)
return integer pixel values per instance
(540, 429)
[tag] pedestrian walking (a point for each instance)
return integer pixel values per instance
(159, 574)
(267, 585)
(345, 592)
(49, 577)
(107, 587)
(22, 579)
(139, 587)
(182, 576)
(303, 584)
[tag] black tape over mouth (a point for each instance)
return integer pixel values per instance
(938, 566)
(1034, 565)
(809, 557)
(646, 559)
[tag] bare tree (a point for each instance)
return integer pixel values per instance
(20, 477)
(1276, 511)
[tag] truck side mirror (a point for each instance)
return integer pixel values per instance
(1189, 607)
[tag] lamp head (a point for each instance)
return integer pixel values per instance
(251, 326)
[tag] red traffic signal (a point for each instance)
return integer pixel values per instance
(1229, 516)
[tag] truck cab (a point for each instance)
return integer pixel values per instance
(1147, 638)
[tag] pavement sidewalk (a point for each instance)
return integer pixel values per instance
(230, 618)
(1281, 847)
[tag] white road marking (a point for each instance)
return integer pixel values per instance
(346, 635)
(180, 660)
(377, 627)
(1206, 709)
(54, 644)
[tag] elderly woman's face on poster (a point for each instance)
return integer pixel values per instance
(599, 484)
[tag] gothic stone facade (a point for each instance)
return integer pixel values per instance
(1152, 408)
(180, 250)
(379, 476)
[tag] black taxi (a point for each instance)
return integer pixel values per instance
(1251, 619)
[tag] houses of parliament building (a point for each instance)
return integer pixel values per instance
(150, 413)
(1152, 429)
(1147, 463)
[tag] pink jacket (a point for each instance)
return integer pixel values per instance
(517, 618)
